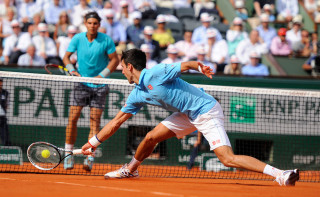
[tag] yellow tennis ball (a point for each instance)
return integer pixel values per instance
(45, 153)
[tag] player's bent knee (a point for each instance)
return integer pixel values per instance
(227, 160)
(150, 139)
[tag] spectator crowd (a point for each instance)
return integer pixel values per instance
(39, 32)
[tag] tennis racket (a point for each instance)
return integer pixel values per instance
(51, 68)
(46, 156)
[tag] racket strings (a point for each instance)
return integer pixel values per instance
(48, 160)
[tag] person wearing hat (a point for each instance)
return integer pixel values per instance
(135, 31)
(241, 11)
(115, 29)
(123, 16)
(287, 10)
(63, 42)
(217, 50)
(4, 102)
(162, 34)
(172, 53)
(16, 44)
(267, 8)
(147, 8)
(147, 49)
(30, 58)
(147, 39)
(235, 35)
(96, 58)
(199, 35)
(259, 6)
(280, 45)
(45, 46)
(234, 68)
(294, 34)
(266, 32)
(201, 57)
(78, 12)
(255, 68)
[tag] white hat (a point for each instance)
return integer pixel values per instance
(297, 19)
(234, 59)
(42, 27)
(201, 51)
(211, 33)
(255, 55)
(124, 3)
(161, 18)
(146, 48)
(72, 29)
(15, 23)
(136, 15)
(148, 30)
(109, 13)
(264, 17)
(318, 3)
(267, 7)
(239, 4)
(237, 21)
(172, 49)
(205, 17)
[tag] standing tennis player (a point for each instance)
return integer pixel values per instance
(96, 58)
(193, 110)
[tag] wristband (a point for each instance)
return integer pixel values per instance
(94, 142)
(200, 69)
(70, 68)
(106, 72)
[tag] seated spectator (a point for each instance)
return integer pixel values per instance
(267, 8)
(16, 44)
(147, 8)
(135, 31)
(316, 14)
(172, 53)
(217, 50)
(5, 25)
(123, 15)
(161, 34)
(314, 43)
(280, 45)
(64, 41)
(78, 12)
(259, 4)
(235, 35)
(186, 48)
(115, 4)
(107, 6)
(62, 25)
(310, 5)
(30, 58)
(200, 33)
(45, 46)
(245, 47)
(53, 11)
(294, 34)
(241, 11)
(266, 32)
(25, 12)
(173, 4)
(287, 10)
(234, 68)
(302, 48)
(199, 4)
(4, 6)
(147, 49)
(115, 29)
(254, 67)
(201, 57)
(96, 4)
(33, 27)
(147, 32)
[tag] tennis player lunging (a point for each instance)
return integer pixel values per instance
(96, 58)
(193, 110)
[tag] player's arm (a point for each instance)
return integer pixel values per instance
(206, 70)
(106, 132)
(113, 63)
(66, 60)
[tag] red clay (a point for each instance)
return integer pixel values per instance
(27, 184)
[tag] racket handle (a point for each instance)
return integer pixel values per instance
(77, 151)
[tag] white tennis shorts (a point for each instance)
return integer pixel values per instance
(209, 124)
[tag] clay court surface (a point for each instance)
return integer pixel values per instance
(27, 184)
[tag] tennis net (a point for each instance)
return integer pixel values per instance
(277, 126)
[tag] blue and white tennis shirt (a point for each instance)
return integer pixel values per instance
(161, 86)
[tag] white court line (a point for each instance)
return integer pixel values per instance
(165, 194)
(8, 179)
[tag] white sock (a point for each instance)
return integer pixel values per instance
(272, 171)
(134, 164)
(68, 147)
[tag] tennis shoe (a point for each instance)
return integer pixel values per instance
(123, 172)
(88, 163)
(288, 177)
(69, 163)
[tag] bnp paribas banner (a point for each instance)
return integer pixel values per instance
(41, 102)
